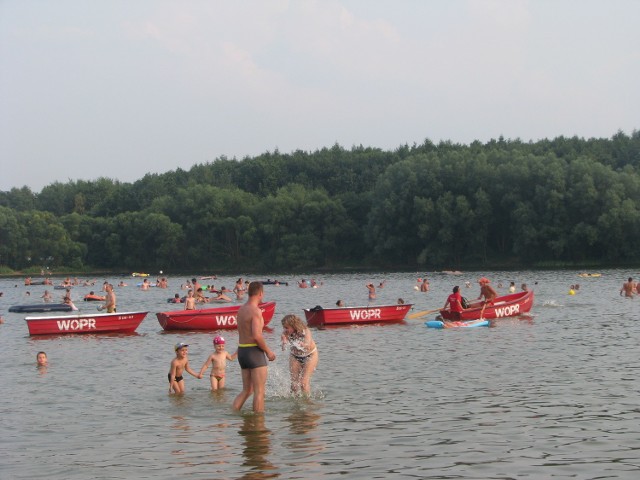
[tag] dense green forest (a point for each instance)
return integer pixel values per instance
(508, 203)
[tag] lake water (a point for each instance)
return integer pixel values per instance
(555, 394)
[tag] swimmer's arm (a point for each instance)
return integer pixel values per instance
(188, 369)
(206, 365)
(257, 322)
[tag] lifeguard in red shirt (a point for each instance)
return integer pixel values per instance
(454, 303)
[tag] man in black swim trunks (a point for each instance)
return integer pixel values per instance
(252, 350)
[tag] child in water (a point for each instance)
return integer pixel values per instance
(218, 362)
(190, 301)
(303, 359)
(178, 366)
(41, 359)
(67, 300)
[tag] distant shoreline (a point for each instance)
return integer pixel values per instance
(334, 269)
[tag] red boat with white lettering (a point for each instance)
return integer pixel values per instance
(220, 318)
(125, 322)
(507, 306)
(318, 316)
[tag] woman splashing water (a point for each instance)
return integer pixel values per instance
(303, 357)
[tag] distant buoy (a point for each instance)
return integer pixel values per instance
(160, 272)
(572, 292)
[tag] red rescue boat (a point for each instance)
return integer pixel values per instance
(209, 318)
(319, 316)
(507, 306)
(125, 322)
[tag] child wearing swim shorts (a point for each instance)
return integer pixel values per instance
(178, 366)
(218, 362)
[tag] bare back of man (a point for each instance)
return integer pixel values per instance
(252, 350)
(628, 288)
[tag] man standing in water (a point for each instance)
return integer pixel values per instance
(628, 288)
(110, 303)
(252, 350)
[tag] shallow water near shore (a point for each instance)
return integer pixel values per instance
(553, 394)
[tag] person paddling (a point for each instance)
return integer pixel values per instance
(454, 303)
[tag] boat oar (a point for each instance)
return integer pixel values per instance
(422, 313)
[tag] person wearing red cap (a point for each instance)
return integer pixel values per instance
(486, 291)
(218, 362)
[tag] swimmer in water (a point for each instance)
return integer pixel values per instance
(218, 362)
(303, 357)
(372, 291)
(41, 359)
(178, 366)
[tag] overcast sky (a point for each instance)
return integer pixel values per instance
(121, 88)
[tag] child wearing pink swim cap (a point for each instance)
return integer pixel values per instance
(218, 361)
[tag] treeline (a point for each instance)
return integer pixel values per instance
(428, 206)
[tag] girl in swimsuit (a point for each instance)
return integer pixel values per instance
(239, 289)
(303, 357)
(218, 362)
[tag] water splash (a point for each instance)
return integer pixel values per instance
(279, 384)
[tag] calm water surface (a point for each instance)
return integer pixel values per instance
(551, 395)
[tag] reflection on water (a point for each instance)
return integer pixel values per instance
(303, 421)
(180, 424)
(304, 441)
(256, 447)
(180, 435)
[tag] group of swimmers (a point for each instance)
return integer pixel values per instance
(253, 355)
(67, 282)
(196, 297)
(309, 283)
(146, 284)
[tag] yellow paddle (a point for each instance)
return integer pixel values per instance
(422, 313)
